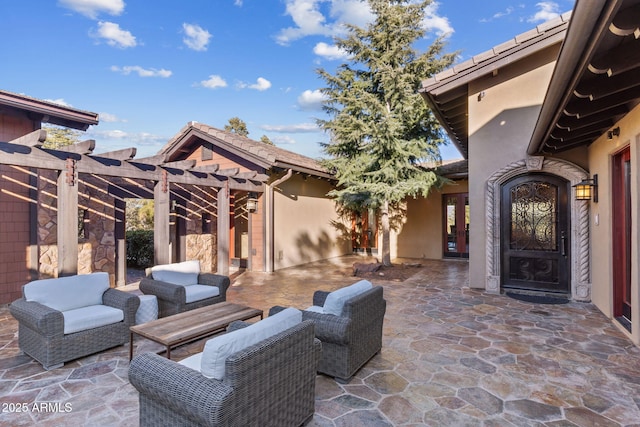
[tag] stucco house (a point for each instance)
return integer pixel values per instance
(219, 198)
(540, 118)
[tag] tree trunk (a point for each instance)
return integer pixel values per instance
(386, 242)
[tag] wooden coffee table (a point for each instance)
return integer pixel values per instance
(172, 331)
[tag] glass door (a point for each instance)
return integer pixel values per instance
(456, 225)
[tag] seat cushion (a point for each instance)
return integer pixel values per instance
(216, 350)
(315, 308)
(200, 292)
(193, 362)
(179, 273)
(335, 300)
(81, 319)
(68, 293)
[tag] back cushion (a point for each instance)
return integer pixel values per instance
(216, 350)
(180, 273)
(336, 299)
(68, 293)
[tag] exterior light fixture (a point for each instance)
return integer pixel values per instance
(252, 203)
(613, 132)
(587, 189)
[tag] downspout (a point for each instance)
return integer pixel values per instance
(269, 243)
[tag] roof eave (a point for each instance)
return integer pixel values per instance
(573, 57)
(50, 112)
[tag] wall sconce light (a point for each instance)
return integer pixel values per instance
(480, 96)
(613, 132)
(174, 205)
(587, 189)
(252, 202)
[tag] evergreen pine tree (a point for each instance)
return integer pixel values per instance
(380, 128)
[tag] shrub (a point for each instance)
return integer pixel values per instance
(139, 248)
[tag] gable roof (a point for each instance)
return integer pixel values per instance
(48, 112)
(447, 92)
(264, 155)
(596, 80)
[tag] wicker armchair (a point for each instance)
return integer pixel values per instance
(271, 383)
(351, 339)
(172, 298)
(41, 328)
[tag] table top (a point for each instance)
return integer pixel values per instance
(191, 324)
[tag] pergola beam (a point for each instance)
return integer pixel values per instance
(33, 139)
(124, 154)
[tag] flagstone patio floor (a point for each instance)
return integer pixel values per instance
(451, 356)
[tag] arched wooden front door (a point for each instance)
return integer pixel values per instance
(535, 233)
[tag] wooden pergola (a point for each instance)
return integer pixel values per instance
(27, 151)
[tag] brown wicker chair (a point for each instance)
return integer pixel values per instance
(351, 339)
(271, 383)
(172, 298)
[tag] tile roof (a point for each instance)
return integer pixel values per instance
(267, 155)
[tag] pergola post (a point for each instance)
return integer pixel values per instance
(68, 219)
(161, 240)
(223, 229)
(121, 243)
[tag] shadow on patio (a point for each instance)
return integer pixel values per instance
(451, 356)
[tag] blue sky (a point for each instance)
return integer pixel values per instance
(149, 68)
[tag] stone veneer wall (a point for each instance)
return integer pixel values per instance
(97, 247)
(96, 250)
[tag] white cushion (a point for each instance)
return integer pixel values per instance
(179, 273)
(192, 362)
(68, 293)
(315, 308)
(336, 299)
(90, 317)
(198, 292)
(216, 350)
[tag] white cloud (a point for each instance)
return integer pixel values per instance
(434, 22)
(196, 37)
(91, 8)
(59, 101)
(114, 35)
(110, 118)
(133, 138)
(238, 2)
(330, 52)
(261, 85)
(297, 128)
(142, 72)
(308, 20)
(547, 10)
(283, 140)
(311, 100)
(213, 82)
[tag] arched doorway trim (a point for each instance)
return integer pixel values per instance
(580, 261)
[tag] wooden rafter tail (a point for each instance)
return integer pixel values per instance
(261, 177)
(156, 160)
(33, 139)
(180, 164)
(124, 154)
(213, 168)
(84, 147)
(228, 172)
(246, 175)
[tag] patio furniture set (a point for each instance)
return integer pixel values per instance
(260, 373)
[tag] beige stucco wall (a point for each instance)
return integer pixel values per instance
(501, 123)
(420, 233)
(306, 225)
(600, 162)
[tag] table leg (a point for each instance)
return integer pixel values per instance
(169, 352)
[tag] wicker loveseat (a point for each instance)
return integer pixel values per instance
(66, 318)
(181, 286)
(269, 383)
(349, 323)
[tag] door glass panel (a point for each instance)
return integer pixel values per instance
(466, 223)
(534, 217)
(452, 244)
